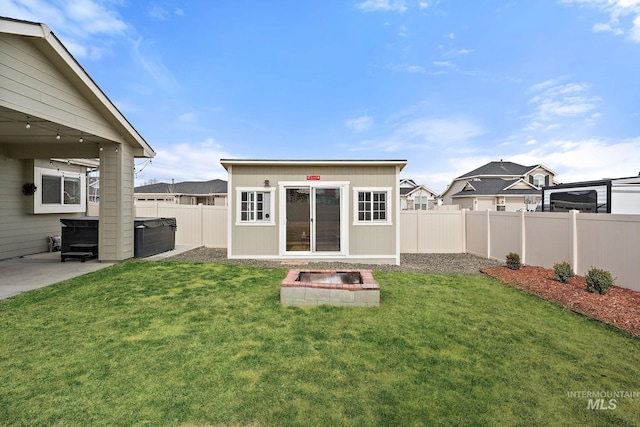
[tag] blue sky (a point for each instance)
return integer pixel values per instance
(446, 85)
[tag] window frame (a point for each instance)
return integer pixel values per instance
(40, 207)
(387, 203)
(537, 177)
(270, 221)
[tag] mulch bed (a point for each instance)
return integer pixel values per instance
(619, 307)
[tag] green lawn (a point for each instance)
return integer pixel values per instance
(209, 345)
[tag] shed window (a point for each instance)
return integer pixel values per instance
(372, 206)
(255, 207)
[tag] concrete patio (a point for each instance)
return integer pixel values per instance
(22, 274)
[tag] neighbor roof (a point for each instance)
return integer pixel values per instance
(499, 169)
(494, 186)
(215, 186)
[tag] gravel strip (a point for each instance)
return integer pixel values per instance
(413, 263)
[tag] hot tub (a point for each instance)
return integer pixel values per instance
(151, 235)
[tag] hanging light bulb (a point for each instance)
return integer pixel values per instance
(58, 134)
(81, 139)
(101, 147)
(116, 148)
(28, 125)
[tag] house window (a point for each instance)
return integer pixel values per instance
(538, 180)
(255, 207)
(60, 191)
(421, 203)
(372, 206)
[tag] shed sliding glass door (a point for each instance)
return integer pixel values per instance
(313, 219)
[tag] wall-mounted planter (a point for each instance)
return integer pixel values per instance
(29, 189)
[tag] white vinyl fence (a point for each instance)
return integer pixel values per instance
(585, 240)
(196, 224)
(542, 239)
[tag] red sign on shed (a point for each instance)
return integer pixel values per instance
(313, 177)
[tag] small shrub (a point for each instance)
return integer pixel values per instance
(563, 271)
(598, 281)
(513, 261)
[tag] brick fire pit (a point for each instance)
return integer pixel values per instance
(349, 288)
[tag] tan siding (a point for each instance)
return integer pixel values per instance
(22, 233)
(116, 203)
(32, 84)
(363, 240)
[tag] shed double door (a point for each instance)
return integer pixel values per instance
(313, 219)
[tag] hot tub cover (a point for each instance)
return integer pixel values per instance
(154, 222)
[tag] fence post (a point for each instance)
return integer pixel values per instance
(523, 246)
(488, 234)
(464, 231)
(573, 239)
(201, 211)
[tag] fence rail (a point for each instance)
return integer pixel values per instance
(585, 240)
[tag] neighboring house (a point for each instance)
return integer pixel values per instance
(315, 210)
(50, 108)
(416, 197)
(499, 186)
(211, 193)
(616, 196)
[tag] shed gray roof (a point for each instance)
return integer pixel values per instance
(495, 186)
(499, 169)
(215, 186)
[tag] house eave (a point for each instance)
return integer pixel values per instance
(51, 47)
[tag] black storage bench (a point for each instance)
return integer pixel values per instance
(79, 238)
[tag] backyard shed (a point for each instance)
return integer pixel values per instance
(318, 210)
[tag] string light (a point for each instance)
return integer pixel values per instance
(28, 125)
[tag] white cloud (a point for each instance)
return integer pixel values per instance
(586, 159)
(383, 5)
(406, 68)
(443, 64)
(195, 161)
(360, 124)
(419, 133)
(158, 12)
(154, 66)
(553, 101)
(84, 26)
(440, 131)
(616, 11)
(635, 31)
